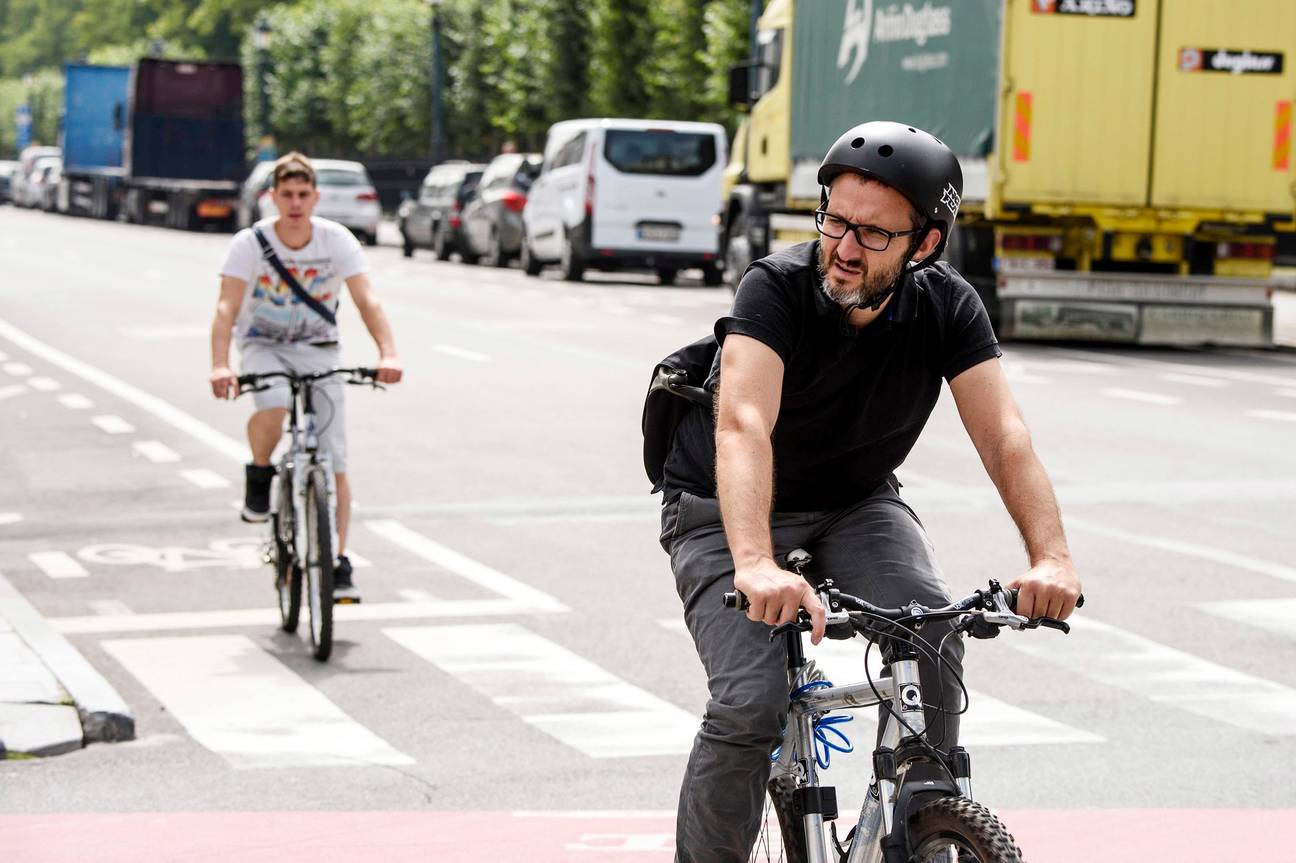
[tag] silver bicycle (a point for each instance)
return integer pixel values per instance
(303, 508)
(904, 819)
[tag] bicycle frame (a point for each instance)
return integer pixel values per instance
(303, 451)
(797, 755)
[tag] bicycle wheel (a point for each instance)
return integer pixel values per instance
(319, 565)
(791, 828)
(288, 577)
(965, 826)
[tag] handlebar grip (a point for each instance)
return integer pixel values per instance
(736, 599)
(246, 380)
(372, 374)
(1012, 599)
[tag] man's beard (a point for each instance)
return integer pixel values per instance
(869, 288)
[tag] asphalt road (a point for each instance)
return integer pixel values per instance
(518, 674)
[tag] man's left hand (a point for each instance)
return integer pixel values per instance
(389, 370)
(1050, 588)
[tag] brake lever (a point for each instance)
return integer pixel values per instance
(1049, 623)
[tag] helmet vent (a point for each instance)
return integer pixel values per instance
(912, 129)
(857, 143)
(885, 150)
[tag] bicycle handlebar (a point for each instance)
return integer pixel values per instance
(250, 381)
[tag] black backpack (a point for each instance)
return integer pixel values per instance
(677, 387)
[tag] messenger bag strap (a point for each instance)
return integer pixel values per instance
(268, 253)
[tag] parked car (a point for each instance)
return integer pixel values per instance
(492, 216)
(347, 196)
(627, 194)
(51, 186)
(433, 219)
(7, 171)
(256, 185)
(42, 177)
(20, 190)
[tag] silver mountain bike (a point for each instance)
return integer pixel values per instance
(904, 818)
(303, 508)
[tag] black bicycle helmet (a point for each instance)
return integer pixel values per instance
(914, 163)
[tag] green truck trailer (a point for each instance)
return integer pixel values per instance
(1127, 163)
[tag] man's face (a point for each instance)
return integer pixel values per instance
(295, 200)
(856, 276)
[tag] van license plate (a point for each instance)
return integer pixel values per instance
(660, 233)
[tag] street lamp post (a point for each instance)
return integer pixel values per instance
(261, 40)
(438, 111)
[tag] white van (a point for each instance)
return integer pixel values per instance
(627, 194)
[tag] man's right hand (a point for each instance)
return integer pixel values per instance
(775, 595)
(224, 383)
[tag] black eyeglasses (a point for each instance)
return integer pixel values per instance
(868, 236)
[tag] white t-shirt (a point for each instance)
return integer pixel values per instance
(271, 311)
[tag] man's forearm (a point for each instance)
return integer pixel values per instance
(375, 320)
(745, 486)
(222, 327)
(1028, 496)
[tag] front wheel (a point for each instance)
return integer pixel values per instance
(319, 565)
(965, 826)
(530, 263)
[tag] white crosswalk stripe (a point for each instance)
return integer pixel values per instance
(560, 693)
(243, 704)
(1114, 657)
(1274, 615)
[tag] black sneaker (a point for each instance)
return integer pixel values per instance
(256, 494)
(344, 589)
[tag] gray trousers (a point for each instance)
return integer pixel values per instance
(877, 550)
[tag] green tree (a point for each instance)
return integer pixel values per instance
(727, 33)
(569, 58)
(620, 50)
(677, 75)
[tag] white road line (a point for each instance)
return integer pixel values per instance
(562, 694)
(618, 309)
(1288, 394)
(1139, 396)
(669, 320)
(75, 401)
(243, 704)
(988, 722)
(18, 370)
(174, 331)
(4, 358)
(1286, 416)
(45, 385)
(411, 595)
(204, 478)
(1162, 674)
(1275, 615)
(58, 564)
(10, 517)
(109, 607)
(357, 561)
(1079, 367)
(139, 398)
(112, 424)
(156, 451)
(462, 354)
(478, 573)
(1205, 552)
(1186, 368)
(268, 616)
(1192, 380)
(11, 390)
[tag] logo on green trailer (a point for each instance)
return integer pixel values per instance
(893, 23)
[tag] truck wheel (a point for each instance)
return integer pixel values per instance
(712, 276)
(667, 275)
(573, 268)
(371, 238)
(737, 249)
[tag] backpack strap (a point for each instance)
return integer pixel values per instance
(268, 253)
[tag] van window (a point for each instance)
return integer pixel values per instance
(678, 154)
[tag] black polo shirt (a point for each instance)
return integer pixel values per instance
(854, 400)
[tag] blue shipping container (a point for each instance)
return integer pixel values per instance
(94, 123)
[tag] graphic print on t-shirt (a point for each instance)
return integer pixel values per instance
(280, 315)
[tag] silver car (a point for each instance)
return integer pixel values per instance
(347, 196)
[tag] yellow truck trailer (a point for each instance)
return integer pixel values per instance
(1127, 163)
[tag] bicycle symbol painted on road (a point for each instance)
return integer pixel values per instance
(241, 553)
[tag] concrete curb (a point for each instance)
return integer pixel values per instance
(104, 714)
